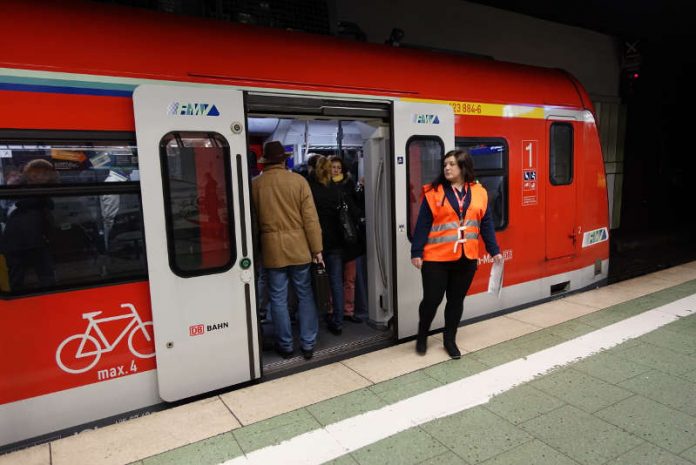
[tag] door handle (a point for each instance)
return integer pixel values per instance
(377, 224)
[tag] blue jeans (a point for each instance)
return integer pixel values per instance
(361, 287)
(306, 309)
(334, 266)
(262, 294)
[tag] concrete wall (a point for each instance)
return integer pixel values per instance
(458, 25)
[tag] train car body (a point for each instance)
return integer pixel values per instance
(127, 269)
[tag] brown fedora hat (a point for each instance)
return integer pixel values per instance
(273, 152)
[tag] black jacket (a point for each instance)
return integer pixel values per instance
(356, 206)
(327, 200)
(28, 226)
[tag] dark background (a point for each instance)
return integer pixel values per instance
(658, 215)
(659, 160)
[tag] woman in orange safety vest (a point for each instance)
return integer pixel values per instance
(445, 244)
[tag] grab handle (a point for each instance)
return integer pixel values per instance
(378, 221)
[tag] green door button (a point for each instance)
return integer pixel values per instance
(245, 263)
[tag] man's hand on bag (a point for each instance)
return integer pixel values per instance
(498, 259)
(417, 262)
(318, 258)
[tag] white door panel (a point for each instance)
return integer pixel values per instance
(378, 227)
(202, 292)
(421, 121)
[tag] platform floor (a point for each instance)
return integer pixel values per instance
(603, 377)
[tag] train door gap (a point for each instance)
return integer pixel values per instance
(359, 134)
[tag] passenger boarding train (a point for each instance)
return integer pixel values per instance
(127, 266)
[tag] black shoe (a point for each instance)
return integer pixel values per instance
(335, 330)
(352, 318)
(452, 350)
(284, 353)
(307, 353)
(421, 345)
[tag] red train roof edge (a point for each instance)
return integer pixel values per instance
(93, 38)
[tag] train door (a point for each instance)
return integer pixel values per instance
(561, 226)
(195, 193)
(423, 132)
(378, 212)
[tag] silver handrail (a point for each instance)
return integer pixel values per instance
(378, 221)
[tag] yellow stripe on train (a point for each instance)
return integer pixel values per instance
(487, 109)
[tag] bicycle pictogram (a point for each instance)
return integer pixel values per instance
(90, 349)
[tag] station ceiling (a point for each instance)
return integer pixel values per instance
(629, 19)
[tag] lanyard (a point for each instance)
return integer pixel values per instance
(461, 200)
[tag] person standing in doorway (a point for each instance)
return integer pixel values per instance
(327, 198)
(351, 252)
(445, 246)
(290, 237)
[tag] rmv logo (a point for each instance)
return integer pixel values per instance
(595, 237)
(426, 119)
(192, 109)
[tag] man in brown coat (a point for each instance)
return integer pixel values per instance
(290, 238)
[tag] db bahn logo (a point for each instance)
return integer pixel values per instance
(196, 330)
(199, 330)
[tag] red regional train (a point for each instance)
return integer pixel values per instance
(127, 275)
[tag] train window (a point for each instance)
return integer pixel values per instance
(54, 241)
(68, 222)
(561, 154)
(423, 161)
(198, 203)
(67, 163)
(490, 158)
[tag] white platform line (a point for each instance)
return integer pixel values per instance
(337, 439)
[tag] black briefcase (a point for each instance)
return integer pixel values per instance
(321, 287)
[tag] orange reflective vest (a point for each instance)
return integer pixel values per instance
(448, 236)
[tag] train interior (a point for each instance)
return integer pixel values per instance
(359, 135)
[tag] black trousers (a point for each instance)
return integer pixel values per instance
(452, 279)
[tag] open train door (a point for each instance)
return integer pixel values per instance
(195, 192)
(423, 132)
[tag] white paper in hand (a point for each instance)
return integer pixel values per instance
(495, 282)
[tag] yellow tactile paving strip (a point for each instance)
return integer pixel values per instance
(137, 439)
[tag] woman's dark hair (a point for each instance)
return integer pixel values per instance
(334, 158)
(465, 163)
(312, 160)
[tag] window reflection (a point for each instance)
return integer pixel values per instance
(424, 165)
(198, 202)
(490, 162)
(73, 163)
(59, 241)
(561, 154)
